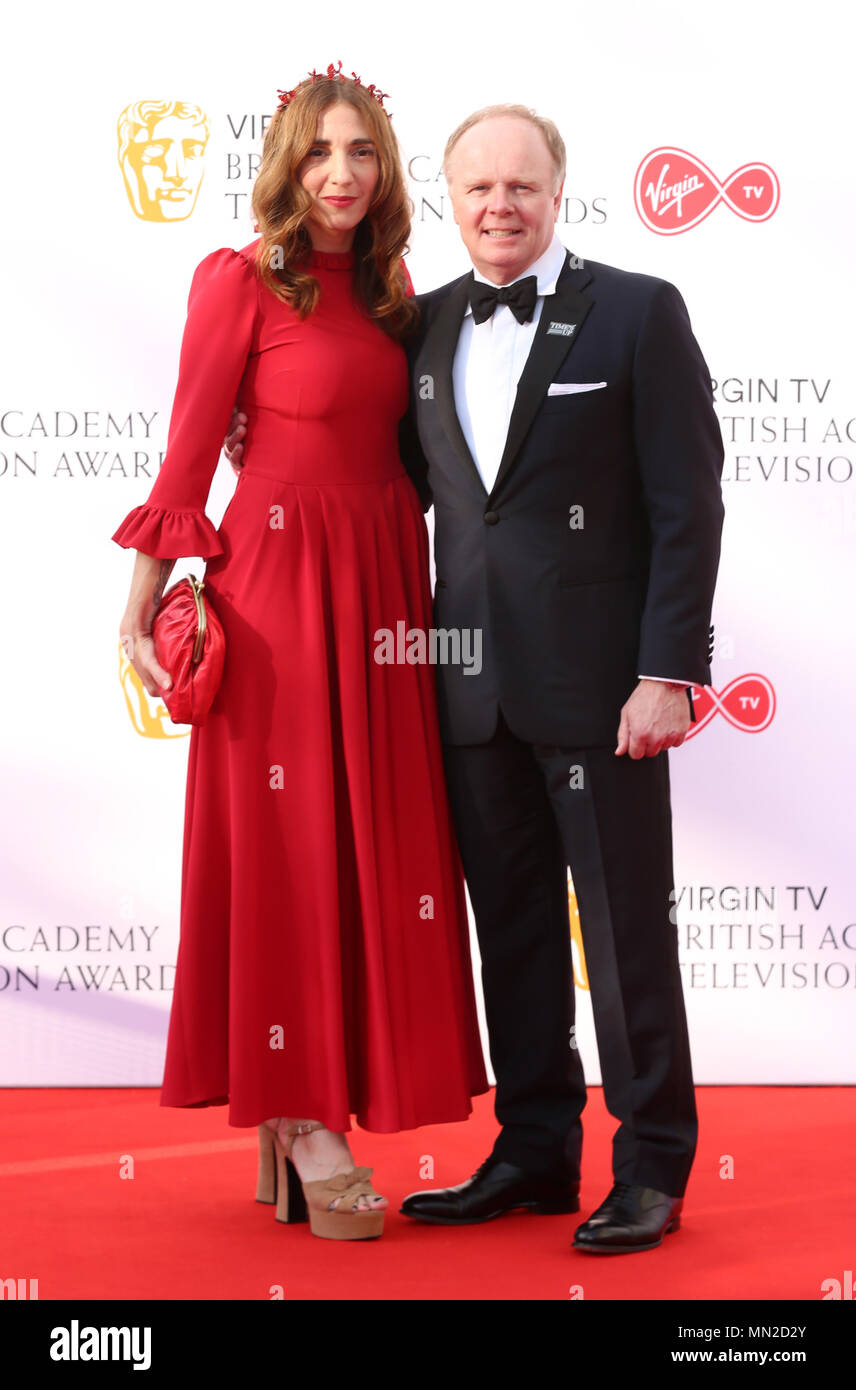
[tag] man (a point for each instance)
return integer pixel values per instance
(573, 458)
(565, 434)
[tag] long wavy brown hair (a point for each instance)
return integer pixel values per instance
(281, 206)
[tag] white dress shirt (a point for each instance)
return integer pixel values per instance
(489, 360)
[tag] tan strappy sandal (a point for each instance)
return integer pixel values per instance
(279, 1182)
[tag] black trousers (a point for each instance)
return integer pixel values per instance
(522, 813)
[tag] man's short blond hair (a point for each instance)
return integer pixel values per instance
(548, 128)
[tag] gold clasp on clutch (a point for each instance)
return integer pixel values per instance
(196, 587)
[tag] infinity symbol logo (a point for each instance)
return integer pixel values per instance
(675, 191)
(748, 703)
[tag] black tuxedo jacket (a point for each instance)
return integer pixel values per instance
(593, 559)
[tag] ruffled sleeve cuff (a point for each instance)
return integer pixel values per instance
(168, 534)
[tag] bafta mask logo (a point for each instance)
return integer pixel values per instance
(577, 953)
(149, 716)
(162, 157)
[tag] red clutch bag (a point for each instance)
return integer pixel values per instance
(190, 644)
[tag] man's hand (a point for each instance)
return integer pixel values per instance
(656, 716)
(232, 445)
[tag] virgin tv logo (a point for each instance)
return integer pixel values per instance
(748, 703)
(674, 191)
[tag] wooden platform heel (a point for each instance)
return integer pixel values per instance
(279, 1183)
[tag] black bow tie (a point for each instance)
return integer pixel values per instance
(520, 298)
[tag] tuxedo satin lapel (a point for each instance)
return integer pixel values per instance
(438, 356)
(564, 313)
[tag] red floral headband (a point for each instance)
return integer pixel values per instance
(334, 72)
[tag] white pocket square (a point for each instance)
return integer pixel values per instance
(570, 388)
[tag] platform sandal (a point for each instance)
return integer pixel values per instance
(279, 1183)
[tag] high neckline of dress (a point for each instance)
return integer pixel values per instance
(331, 260)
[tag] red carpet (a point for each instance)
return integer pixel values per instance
(186, 1225)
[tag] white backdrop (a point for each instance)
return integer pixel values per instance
(94, 299)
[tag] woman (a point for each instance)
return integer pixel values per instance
(323, 967)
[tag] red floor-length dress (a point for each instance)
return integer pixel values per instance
(323, 967)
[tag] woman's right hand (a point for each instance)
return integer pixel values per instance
(135, 630)
(140, 651)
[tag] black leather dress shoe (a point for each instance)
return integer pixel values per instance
(495, 1188)
(631, 1218)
